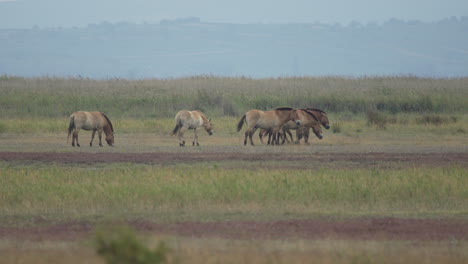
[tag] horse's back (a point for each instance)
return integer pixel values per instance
(262, 119)
(189, 118)
(88, 120)
(182, 116)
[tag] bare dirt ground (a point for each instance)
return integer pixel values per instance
(299, 160)
(355, 229)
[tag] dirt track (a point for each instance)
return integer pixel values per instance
(361, 229)
(323, 159)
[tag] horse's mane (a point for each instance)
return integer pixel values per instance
(284, 108)
(203, 115)
(310, 113)
(108, 121)
(316, 109)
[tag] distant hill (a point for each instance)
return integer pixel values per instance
(188, 47)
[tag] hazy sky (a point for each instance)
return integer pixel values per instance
(67, 13)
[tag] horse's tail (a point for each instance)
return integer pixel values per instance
(177, 127)
(240, 124)
(71, 126)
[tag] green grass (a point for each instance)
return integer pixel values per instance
(380, 114)
(203, 193)
(440, 124)
(218, 96)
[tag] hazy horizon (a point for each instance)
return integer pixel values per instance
(68, 13)
(263, 38)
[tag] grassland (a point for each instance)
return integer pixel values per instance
(203, 192)
(154, 98)
(371, 114)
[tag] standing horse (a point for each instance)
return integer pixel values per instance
(191, 120)
(282, 133)
(95, 121)
(323, 119)
(308, 120)
(270, 120)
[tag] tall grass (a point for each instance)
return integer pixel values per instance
(134, 191)
(221, 96)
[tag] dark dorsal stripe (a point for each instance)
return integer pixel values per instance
(310, 113)
(284, 108)
(108, 121)
(316, 109)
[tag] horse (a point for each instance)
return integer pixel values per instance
(191, 120)
(323, 119)
(282, 133)
(308, 120)
(95, 121)
(270, 120)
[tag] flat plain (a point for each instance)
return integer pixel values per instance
(369, 192)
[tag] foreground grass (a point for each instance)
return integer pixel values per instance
(192, 250)
(165, 193)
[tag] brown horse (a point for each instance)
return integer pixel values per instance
(308, 120)
(283, 133)
(323, 119)
(95, 121)
(270, 120)
(191, 120)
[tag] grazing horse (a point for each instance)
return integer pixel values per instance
(270, 120)
(308, 120)
(95, 121)
(191, 120)
(323, 119)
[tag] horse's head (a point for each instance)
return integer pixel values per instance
(322, 117)
(108, 130)
(110, 139)
(317, 130)
(208, 126)
(324, 121)
(316, 125)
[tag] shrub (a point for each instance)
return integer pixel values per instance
(377, 118)
(336, 127)
(121, 246)
(436, 119)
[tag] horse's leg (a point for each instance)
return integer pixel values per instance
(275, 138)
(290, 135)
(181, 136)
(195, 137)
(92, 137)
(282, 135)
(252, 131)
(261, 134)
(246, 134)
(269, 137)
(306, 136)
(75, 137)
(298, 135)
(100, 137)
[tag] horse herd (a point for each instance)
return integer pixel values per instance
(277, 124)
